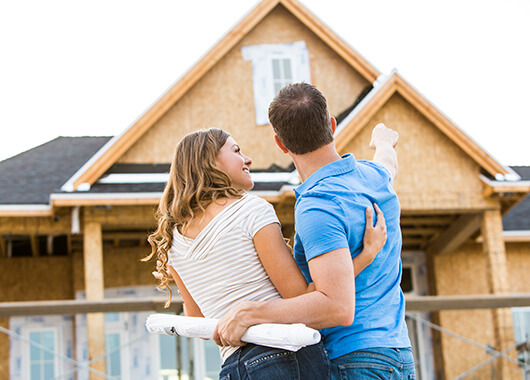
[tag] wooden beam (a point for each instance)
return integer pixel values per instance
(127, 304)
(25, 212)
(122, 217)
(497, 276)
(421, 231)
(94, 290)
(431, 220)
(466, 302)
(3, 252)
(34, 240)
(60, 224)
(70, 307)
(129, 235)
(448, 202)
(115, 201)
(457, 234)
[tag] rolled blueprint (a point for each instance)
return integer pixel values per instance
(290, 337)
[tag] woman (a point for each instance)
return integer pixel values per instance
(222, 246)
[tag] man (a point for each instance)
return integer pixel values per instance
(362, 320)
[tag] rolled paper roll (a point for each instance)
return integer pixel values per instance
(290, 337)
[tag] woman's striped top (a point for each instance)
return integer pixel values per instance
(221, 267)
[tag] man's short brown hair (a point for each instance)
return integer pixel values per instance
(300, 118)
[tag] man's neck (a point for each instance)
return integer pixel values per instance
(307, 164)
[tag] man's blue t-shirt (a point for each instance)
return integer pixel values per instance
(330, 214)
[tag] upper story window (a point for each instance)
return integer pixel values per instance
(273, 67)
(282, 73)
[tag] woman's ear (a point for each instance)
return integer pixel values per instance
(280, 144)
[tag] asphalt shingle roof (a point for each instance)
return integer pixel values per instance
(518, 218)
(30, 177)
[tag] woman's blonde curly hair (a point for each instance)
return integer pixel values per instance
(194, 182)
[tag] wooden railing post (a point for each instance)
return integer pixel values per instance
(497, 276)
(94, 289)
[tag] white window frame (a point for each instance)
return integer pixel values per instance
(284, 81)
(120, 327)
(19, 350)
(518, 331)
(57, 347)
(262, 72)
(415, 260)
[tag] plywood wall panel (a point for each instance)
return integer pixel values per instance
(463, 272)
(35, 278)
(124, 268)
(518, 263)
(4, 350)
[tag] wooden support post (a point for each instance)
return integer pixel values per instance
(2, 247)
(497, 273)
(94, 288)
(34, 240)
(439, 366)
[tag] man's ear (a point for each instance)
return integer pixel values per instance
(280, 144)
(333, 124)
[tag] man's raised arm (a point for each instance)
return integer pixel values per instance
(383, 142)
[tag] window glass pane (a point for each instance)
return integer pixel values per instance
(35, 372)
(112, 341)
(48, 342)
(277, 87)
(168, 352)
(42, 363)
(112, 317)
(35, 337)
(34, 353)
(287, 69)
(276, 69)
(212, 358)
(47, 355)
(48, 371)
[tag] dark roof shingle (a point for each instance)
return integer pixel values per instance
(518, 218)
(30, 177)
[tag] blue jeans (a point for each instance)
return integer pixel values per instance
(252, 362)
(374, 363)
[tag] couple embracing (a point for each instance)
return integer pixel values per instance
(224, 248)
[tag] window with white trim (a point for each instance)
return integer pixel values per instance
(282, 72)
(521, 332)
(42, 362)
(414, 282)
(116, 327)
(273, 67)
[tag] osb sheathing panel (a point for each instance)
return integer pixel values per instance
(36, 278)
(121, 266)
(4, 350)
(432, 168)
(224, 97)
(458, 273)
(518, 265)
